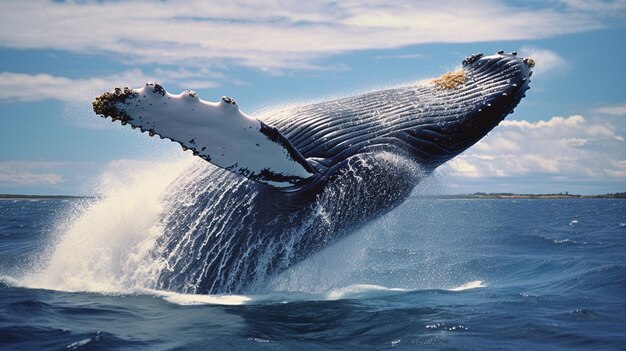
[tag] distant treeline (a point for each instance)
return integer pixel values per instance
(566, 195)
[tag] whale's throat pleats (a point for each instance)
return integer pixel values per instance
(223, 233)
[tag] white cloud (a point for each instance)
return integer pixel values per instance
(32, 87)
(546, 61)
(400, 57)
(269, 35)
(614, 7)
(30, 173)
(29, 179)
(614, 110)
(35, 87)
(560, 148)
(79, 177)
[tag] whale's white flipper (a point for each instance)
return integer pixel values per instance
(216, 131)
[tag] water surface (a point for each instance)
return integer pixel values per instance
(446, 274)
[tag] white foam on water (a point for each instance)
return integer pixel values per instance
(368, 291)
(193, 299)
(77, 344)
(469, 285)
(361, 291)
(352, 292)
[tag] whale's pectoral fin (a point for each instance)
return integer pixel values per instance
(217, 132)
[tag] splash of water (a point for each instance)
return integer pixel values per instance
(158, 226)
(103, 245)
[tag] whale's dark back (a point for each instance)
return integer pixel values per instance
(224, 233)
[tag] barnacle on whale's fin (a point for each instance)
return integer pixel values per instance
(215, 131)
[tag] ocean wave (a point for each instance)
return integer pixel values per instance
(351, 292)
(556, 241)
(606, 278)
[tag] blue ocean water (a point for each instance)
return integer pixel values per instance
(434, 273)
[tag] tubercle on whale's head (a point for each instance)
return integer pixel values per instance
(501, 80)
(502, 77)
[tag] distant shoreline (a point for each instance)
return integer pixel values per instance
(512, 196)
(509, 196)
(42, 197)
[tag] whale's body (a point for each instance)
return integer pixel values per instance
(343, 163)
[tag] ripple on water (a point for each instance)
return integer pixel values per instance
(583, 314)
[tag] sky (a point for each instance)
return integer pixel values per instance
(567, 135)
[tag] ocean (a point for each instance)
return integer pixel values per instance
(432, 274)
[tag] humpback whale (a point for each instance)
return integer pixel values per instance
(292, 181)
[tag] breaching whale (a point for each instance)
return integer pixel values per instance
(292, 181)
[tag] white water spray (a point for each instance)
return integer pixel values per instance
(104, 246)
(111, 245)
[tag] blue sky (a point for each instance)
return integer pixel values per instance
(567, 135)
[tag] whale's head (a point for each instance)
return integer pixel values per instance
(429, 122)
(467, 104)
